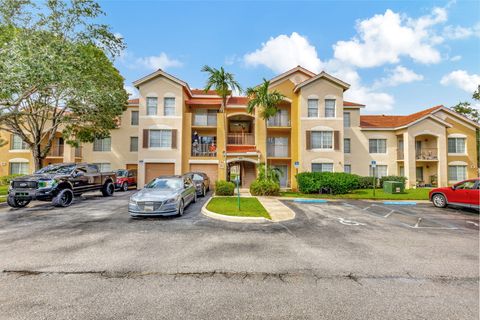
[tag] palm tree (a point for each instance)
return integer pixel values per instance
(267, 104)
(222, 82)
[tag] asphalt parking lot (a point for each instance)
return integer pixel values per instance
(345, 259)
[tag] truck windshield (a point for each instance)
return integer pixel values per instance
(165, 184)
(122, 173)
(57, 169)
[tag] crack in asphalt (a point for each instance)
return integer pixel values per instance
(282, 276)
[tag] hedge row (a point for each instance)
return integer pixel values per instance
(264, 188)
(224, 188)
(338, 182)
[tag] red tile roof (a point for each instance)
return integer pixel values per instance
(383, 121)
(202, 92)
(241, 149)
(133, 101)
(352, 104)
(238, 100)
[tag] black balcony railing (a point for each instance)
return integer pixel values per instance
(204, 150)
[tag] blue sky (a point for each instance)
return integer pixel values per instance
(399, 57)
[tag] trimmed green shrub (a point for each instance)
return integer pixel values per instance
(392, 178)
(334, 182)
(5, 180)
(264, 188)
(224, 188)
(365, 182)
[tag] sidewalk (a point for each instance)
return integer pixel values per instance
(277, 210)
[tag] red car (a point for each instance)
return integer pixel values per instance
(125, 179)
(465, 194)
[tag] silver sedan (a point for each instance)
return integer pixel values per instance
(163, 196)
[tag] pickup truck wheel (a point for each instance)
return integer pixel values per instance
(108, 189)
(125, 186)
(14, 203)
(63, 199)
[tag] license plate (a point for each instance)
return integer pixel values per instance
(148, 207)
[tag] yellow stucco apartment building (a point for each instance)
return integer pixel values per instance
(172, 129)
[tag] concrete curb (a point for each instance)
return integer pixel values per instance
(236, 219)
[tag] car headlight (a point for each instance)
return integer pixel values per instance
(132, 202)
(47, 183)
(172, 200)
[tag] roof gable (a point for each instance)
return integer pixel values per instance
(323, 75)
(288, 73)
(161, 73)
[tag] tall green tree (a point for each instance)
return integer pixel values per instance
(266, 102)
(222, 82)
(56, 73)
(465, 108)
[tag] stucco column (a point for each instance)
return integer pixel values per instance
(409, 159)
(221, 148)
(442, 167)
(68, 153)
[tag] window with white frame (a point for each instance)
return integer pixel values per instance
(379, 171)
(457, 173)
(347, 168)
(19, 167)
(322, 167)
(160, 139)
(346, 145)
(456, 145)
(104, 144)
(322, 139)
(313, 108)
(152, 106)
(134, 118)
(346, 120)
(169, 106)
(104, 167)
(377, 145)
(329, 108)
(133, 144)
(17, 143)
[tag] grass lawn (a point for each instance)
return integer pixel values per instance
(410, 194)
(249, 207)
(3, 193)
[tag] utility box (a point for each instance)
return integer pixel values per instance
(393, 187)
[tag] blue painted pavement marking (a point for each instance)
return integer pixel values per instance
(310, 200)
(405, 203)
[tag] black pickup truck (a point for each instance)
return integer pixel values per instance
(59, 183)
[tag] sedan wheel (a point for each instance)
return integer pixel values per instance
(181, 208)
(439, 201)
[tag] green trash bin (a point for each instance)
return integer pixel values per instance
(393, 187)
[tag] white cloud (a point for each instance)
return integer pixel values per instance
(461, 79)
(385, 38)
(397, 76)
(285, 52)
(375, 101)
(459, 32)
(162, 61)
(132, 92)
(229, 60)
(456, 58)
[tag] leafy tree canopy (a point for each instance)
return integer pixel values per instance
(55, 73)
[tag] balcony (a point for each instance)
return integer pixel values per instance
(204, 150)
(400, 155)
(277, 151)
(426, 154)
(56, 150)
(78, 152)
(241, 139)
(204, 119)
(282, 122)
